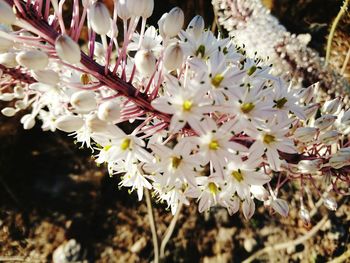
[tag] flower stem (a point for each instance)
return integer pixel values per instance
(169, 231)
(153, 226)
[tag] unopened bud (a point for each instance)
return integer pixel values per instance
(310, 110)
(33, 59)
(49, 76)
(69, 123)
(5, 44)
(330, 203)
(99, 18)
(280, 206)
(18, 92)
(67, 49)
(173, 57)
(123, 11)
(20, 105)
(329, 137)
(148, 9)
(306, 95)
(109, 111)
(332, 106)
(325, 121)
(345, 120)
(259, 192)
(28, 121)
(8, 111)
(145, 62)
(305, 215)
(305, 134)
(95, 124)
(6, 14)
(84, 100)
(7, 96)
(135, 7)
(310, 166)
(173, 22)
(8, 59)
(196, 26)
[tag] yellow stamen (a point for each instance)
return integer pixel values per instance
(251, 70)
(247, 107)
(214, 145)
(268, 138)
(200, 51)
(216, 80)
(107, 147)
(187, 105)
(175, 162)
(238, 175)
(280, 103)
(84, 79)
(213, 188)
(125, 144)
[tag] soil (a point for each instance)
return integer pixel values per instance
(52, 192)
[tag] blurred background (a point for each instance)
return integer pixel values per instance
(54, 200)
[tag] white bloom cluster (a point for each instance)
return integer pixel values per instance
(208, 122)
(251, 25)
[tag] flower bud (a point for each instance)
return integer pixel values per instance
(332, 106)
(310, 110)
(28, 121)
(196, 26)
(280, 206)
(41, 87)
(310, 166)
(67, 49)
(49, 76)
(95, 124)
(7, 96)
(173, 22)
(83, 100)
(5, 44)
(20, 105)
(123, 11)
(33, 59)
(135, 7)
(305, 134)
(109, 111)
(259, 192)
(161, 24)
(305, 215)
(18, 92)
(145, 62)
(8, 59)
(339, 161)
(306, 95)
(330, 203)
(345, 120)
(69, 123)
(325, 121)
(100, 18)
(6, 14)
(148, 8)
(8, 111)
(173, 57)
(329, 137)
(248, 208)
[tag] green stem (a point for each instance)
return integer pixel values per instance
(334, 26)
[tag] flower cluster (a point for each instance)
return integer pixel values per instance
(251, 24)
(206, 121)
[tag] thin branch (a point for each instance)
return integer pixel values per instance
(153, 226)
(334, 26)
(291, 243)
(169, 231)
